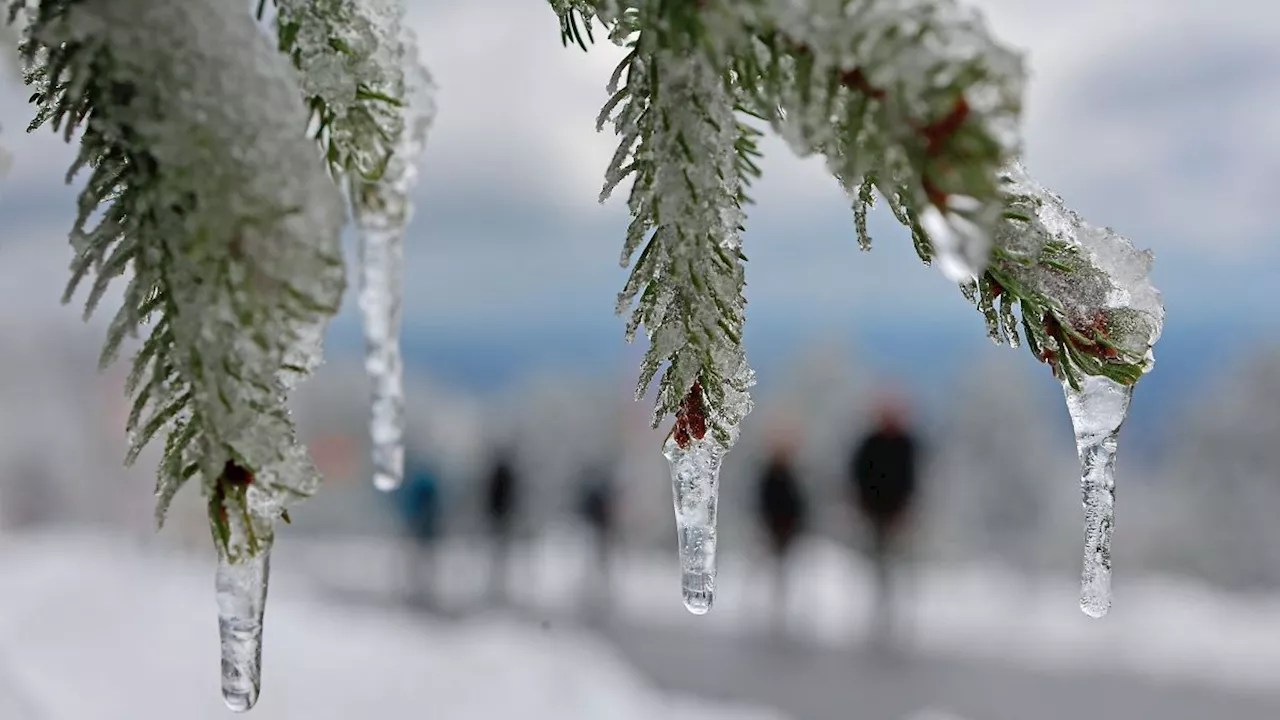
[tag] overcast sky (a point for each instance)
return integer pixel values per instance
(1156, 117)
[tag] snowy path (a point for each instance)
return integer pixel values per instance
(1160, 629)
(989, 648)
(812, 683)
(804, 680)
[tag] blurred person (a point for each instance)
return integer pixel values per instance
(883, 476)
(27, 500)
(597, 497)
(421, 509)
(501, 502)
(782, 512)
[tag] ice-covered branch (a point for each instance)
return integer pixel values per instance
(679, 144)
(678, 139)
(371, 103)
(200, 185)
(1086, 303)
(1089, 311)
(202, 188)
(910, 97)
(687, 154)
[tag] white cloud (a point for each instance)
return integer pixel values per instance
(516, 109)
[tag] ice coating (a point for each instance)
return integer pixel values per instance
(1098, 409)
(687, 282)
(928, 128)
(695, 485)
(1095, 292)
(1108, 278)
(203, 185)
(242, 598)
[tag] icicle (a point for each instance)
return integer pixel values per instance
(1098, 409)
(381, 282)
(695, 482)
(242, 597)
(695, 457)
(383, 211)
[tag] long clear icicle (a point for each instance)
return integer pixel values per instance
(381, 285)
(1098, 409)
(242, 598)
(383, 212)
(695, 485)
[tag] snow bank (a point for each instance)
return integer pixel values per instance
(94, 628)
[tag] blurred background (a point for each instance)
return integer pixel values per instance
(529, 565)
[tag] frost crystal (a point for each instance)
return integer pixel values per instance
(362, 77)
(242, 598)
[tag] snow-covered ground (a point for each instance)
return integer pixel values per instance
(100, 627)
(96, 628)
(1159, 627)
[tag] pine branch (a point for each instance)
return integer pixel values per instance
(576, 18)
(358, 64)
(910, 97)
(689, 158)
(201, 186)
(913, 100)
(1086, 304)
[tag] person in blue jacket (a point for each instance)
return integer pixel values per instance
(420, 510)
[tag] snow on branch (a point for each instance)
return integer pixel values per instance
(201, 187)
(685, 149)
(359, 68)
(913, 98)
(1086, 302)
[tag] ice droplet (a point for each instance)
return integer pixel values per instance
(1097, 409)
(242, 598)
(695, 484)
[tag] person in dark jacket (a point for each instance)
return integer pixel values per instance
(501, 504)
(783, 513)
(597, 508)
(884, 481)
